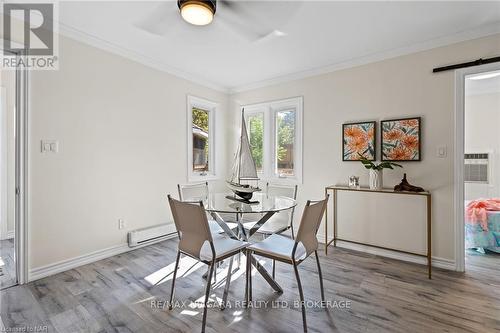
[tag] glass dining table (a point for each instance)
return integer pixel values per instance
(227, 210)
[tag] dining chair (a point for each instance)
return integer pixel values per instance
(281, 221)
(194, 192)
(196, 241)
(293, 252)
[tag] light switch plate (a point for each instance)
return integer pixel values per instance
(49, 146)
(441, 151)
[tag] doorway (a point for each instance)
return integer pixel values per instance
(8, 258)
(482, 170)
(477, 168)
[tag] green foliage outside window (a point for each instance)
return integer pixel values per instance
(286, 132)
(256, 128)
(200, 119)
(286, 135)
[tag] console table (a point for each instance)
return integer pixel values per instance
(336, 188)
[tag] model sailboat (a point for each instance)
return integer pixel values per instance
(243, 167)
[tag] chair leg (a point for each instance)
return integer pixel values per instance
(291, 228)
(173, 280)
(248, 289)
(301, 294)
(274, 269)
(320, 277)
(207, 294)
(228, 282)
(246, 278)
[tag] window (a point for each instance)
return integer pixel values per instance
(285, 141)
(275, 133)
(201, 147)
(255, 123)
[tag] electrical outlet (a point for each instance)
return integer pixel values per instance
(121, 224)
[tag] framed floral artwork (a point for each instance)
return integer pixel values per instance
(401, 139)
(358, 139)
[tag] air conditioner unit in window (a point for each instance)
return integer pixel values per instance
(477, 168)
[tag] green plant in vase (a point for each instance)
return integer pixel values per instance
(376, 171)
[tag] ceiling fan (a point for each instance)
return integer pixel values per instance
(197, 12)
(253, 20)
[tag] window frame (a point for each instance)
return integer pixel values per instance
(270, 110)
(211, 108)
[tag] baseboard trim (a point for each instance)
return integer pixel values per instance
(64, 265)
(438, 262)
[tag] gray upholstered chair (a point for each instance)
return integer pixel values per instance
(194, 192)
(196, 241)
(291, 251)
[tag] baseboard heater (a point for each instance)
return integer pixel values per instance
(150, 235)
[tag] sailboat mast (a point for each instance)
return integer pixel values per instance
(241, 139)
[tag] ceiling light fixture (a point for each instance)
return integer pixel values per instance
(485, 76)
(197, 12)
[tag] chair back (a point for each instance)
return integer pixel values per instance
(193, 191)
(192, 225)
(309, 225)
(289, 191)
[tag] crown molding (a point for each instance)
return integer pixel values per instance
(94, 41)
(483, 31)
(102, 44)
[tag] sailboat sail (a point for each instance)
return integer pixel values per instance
(243, 166)
(247, 169)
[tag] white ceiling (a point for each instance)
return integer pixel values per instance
(318, 34)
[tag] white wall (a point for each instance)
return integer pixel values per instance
(121, 128)
(394, 88)
(482, 135)
(122, 141)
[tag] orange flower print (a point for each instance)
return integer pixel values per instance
(358, 144)
(358, 139)
(400, 154)
(393, 135)
(409, 123)
(410, 142)
(352, 132)
(370, 133)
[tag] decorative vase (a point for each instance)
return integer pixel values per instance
(376, 179)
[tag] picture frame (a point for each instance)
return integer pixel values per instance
(359, 138)
(401, 139)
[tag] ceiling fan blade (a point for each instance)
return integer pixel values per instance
(160, 20)
(232, 24)
(270, 36)
(256, 20)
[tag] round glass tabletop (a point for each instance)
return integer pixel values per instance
(218, 202)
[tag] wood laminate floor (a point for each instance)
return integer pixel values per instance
(7, 263)
(123, 294)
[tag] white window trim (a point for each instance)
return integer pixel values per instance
(211, 107)
(269, 109)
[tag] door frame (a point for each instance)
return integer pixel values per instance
(3, 165)
(459, 136)
(21, 234)
(22, 174)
